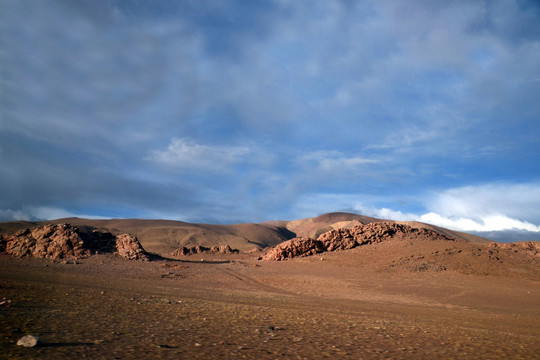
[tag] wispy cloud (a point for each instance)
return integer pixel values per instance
(37, 213)
(333, 161)
(13, 215)
(188, 154)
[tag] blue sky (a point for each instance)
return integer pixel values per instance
(247, 111)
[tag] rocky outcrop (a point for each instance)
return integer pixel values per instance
(375, 233)
(343, 239)
(59, 241)
(223, 249)
(530, 247)
(129, 247)
(302, 246)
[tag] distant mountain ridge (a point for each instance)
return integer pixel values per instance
(165, 236)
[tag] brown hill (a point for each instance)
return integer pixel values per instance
(313, 227)
(452, 233)
(11, 227)
(399, 249)
(165, 236)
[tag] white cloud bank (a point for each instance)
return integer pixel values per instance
(482, 223)
(513, 200)
(486, 223)
(482, 208)
(488, 207)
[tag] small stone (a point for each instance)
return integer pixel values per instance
(29, 341)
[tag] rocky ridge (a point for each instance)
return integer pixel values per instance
(343, 239)
(223, 249)
(531, 247)
(60, 241)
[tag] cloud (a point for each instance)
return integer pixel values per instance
(295, 105)
(38, 213)
(521, 201)
(333, 161)
(14, 215)
(509, 235)
(492, 207)
(485, 223)
(313, 204)
(488, 207)
(187, 154)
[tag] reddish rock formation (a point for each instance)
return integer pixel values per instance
(58, 241)
(340, 239)
(374, 233)
(531, 247)
(129, 247)
(223, 249)
(302, 246)
(343, 239)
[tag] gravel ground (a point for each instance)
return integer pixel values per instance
(237, 307)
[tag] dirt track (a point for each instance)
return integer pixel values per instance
(238, 307)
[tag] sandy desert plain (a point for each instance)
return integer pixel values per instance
(399, 296)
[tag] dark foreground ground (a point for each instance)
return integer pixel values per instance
(238, 307)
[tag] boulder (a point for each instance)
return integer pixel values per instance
(29, 341)
(129, 247)
(60, 241)
(302, 246)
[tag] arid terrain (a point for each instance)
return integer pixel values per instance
(404, 294)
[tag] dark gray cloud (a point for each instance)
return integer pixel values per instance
(509, 235)
(248, 111)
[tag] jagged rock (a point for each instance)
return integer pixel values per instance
(129, 247)
(181, 251)
(340, 239)
(343, 239)
(222, 249)
(29, 341)
(531, 247)
(374, 233)
(302, 246)
(59, 241)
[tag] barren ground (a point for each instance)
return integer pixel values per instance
(351, 304)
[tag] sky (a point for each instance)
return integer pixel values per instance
(248, 111)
